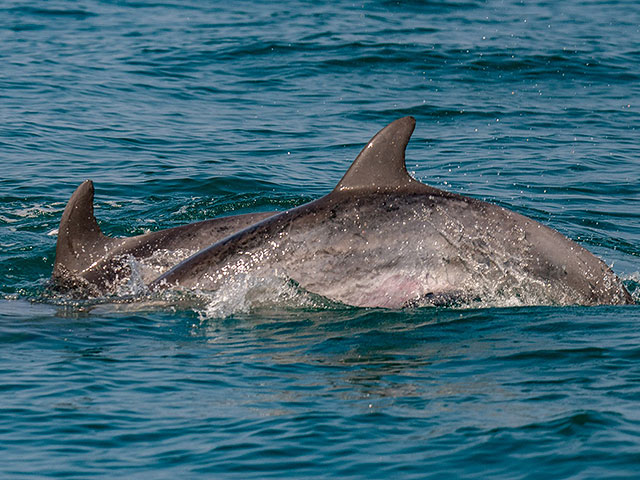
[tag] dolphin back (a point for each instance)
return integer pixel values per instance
(383, 239)
(90, 263)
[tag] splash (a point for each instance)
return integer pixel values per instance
(632, 282)
(247, 293)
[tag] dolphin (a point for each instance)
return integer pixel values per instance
(91, 264)
(383, 239)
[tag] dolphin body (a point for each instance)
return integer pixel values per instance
(90, 263)
(383, 239)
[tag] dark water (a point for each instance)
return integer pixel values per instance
(184, 111)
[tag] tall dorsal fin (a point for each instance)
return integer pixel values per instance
(79, 234)
(380, 166)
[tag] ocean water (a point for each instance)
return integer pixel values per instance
(183, 111)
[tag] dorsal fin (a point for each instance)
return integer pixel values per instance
(380, 166)
(79, 234)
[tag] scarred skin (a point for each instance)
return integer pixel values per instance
(383, 239)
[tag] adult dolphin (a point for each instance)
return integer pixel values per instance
(383, 239)
(91, 263)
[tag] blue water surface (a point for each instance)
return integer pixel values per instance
(182, 111)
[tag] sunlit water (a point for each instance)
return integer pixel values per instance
(181, 112)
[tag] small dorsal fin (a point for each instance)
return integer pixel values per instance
(380, 166)
(79, 234)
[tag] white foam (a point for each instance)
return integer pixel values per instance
(245, 293)
(632, 282)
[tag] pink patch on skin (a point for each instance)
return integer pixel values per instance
(394, 292)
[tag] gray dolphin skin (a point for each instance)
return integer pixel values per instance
(89, 262)
(383, 239)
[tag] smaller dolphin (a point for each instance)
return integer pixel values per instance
(91, 263)
(383, 239)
